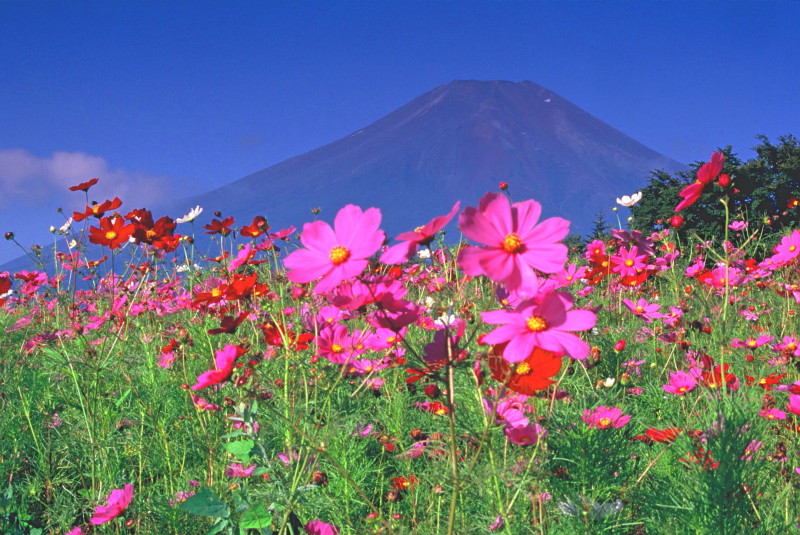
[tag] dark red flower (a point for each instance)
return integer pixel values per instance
(258, 227)
(84, 186)
(97, 210)
(219, 227)
(229, 324)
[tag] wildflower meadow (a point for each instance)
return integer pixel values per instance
(332, 379)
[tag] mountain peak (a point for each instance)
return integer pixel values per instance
(455, 142)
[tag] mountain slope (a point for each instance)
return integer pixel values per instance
(455, 142)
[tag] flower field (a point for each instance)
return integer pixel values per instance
(332, 379)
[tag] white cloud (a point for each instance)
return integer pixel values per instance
(29, 179)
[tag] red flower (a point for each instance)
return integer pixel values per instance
(229, 324)
(112, 232)
(84, 186)
(97, 210)
(528, 376)
(258, 227)
(707, 173)
(659, 435)
(219, 227)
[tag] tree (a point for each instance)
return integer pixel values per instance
(601, 230)
(761, 191)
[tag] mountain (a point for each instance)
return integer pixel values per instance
(455, 142)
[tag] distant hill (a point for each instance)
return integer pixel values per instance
(455, 142)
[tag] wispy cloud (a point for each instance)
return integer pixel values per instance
(29, 179)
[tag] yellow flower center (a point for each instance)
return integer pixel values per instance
(512, 244)
(216, 292)
(629, 263)
(523, 369)
(792, 248)
(339, 255)
(536, 324)
(336, 348)
(111, 235)
(419, 228)
(604, 422)
(639, 309)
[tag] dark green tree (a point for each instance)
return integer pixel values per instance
(760, 192)
(601, 230)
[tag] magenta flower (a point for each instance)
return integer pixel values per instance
(788, 249)
(225, 359)
(647, 311)
(679, 383)
(794, 404)
(515, 247)
(752, 343)
(238, 470)
(318, 527)
(542, 322)
(410, 241)
(336, 254)
(628, 263)
(771, 413)
(604, 417)
(118, 500)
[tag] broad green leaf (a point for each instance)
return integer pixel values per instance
(241, 449)
(206, 503)
(256, 518)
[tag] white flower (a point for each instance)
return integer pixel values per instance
(191, 216)
(445, 320)
(609, 382)
(630, 201)
(65, 227)
(424, 253)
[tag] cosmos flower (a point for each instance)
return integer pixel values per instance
(225, 359)
(545, 322)
(629, 201)
(604, 417)
(118, 501)
(707, 173)
(410, 241)
(336, 254)
(680, 382)
(191, 216)
(515, 244)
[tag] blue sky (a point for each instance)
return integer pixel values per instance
(167, 98)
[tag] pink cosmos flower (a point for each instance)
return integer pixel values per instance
(410, 241)
(339, 253)
(318, 527)
(238, 470)
(794, 404)
(225, 359)
(628, 263)
(788, 249)
(118, 500)
(77, 530)
(544, 322)
(515, 246)
(790, 345)
(771, 413)
(752, 343)
(679, 383)
(604, 417)
(647, 311)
